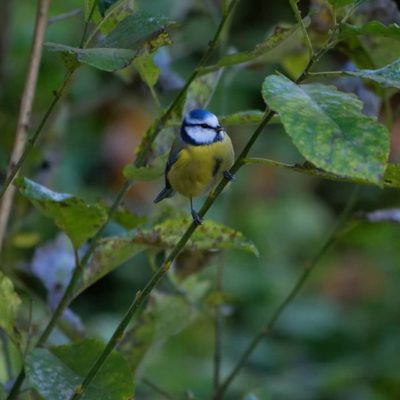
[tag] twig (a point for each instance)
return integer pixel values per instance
(308, 269)
(157, 389)
(25, 110)
(299, 19)
(218, 329)
(5, 25)
(64, 16)
(6, 353)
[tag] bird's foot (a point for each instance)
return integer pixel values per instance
(196, 218)
(228, 176)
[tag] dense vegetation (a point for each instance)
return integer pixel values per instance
(288, 290)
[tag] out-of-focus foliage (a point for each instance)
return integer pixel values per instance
(339, 339)
(56, 372)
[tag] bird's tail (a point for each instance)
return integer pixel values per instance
(165, 193)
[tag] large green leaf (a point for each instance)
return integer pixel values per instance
(77, 219)
(55, 372)
(328, 128)
(134, 30)
(387, 76)
(208, 236)
(165, 315)
(9, 303)
(111, 252)
(279, 34)
(106, 59)
(117, 50)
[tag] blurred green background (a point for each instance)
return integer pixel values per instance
(340, 339)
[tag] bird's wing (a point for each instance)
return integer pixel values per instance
(176, 148)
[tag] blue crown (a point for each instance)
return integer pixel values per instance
(199, 114)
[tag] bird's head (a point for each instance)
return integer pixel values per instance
(200, 127)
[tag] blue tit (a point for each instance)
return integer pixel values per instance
(201, 154)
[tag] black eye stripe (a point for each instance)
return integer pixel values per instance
(204, 126)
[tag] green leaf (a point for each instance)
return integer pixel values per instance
(127, 219)
(149, 173)
(9, 303)
(371, 45)
(390, 179)
(373, 28)
(209, 236)
(108, 13)
(134, 30)
(110, 253)
(328, 128)
(392, 175)
(165, 315)
(279, 35)
(387, 76)
(242, 118)
(77, 219)
(55, 372)
(104, 59)
(341, 3)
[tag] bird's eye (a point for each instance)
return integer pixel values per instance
(205, 126)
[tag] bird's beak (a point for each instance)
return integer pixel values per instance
(220, 129)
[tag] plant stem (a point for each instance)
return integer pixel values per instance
(6, 353)
(296, 11)
(157, 389)
(218, 329)
(64, 16)
(307, 271)
(329, 74)
(25, 110)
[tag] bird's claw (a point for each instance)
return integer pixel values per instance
(228, 176)
(196, 218)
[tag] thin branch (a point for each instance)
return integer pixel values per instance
(307, 271)
(62, 17)
(5, 29)
(296, 11)
(24, 117)
(157, 389)
(329, 74)
(218, 329)
(6, 353)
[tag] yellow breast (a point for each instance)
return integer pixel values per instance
(199, 168)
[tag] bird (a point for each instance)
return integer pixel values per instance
(200, 156)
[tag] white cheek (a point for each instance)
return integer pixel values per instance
(200, 135)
